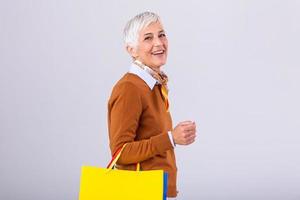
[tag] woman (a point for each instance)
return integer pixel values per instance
(138, 109)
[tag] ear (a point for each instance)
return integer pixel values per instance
(132, 51)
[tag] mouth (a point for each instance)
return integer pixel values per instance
(158, 52)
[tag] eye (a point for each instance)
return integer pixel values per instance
(148, 38)
(162, 35)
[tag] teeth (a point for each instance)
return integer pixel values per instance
(158, 52)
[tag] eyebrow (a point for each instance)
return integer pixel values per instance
(161, 31)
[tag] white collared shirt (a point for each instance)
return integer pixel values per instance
(144, 75)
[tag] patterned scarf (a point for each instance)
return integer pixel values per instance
(160, 77)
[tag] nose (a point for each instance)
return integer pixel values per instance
(157, 41)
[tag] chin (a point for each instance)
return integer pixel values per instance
(159, 63)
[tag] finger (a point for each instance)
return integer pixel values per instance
(184, 123)
(189, 134)
(189, 130)
(189, 127)
(190, 141)
(191, 137)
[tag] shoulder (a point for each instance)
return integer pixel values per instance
(127, 92)
(130, 83)
(129, 87)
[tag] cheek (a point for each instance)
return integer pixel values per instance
(166, 43)
(148, 48)
(145, 49)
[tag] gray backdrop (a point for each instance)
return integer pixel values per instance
(233, 65)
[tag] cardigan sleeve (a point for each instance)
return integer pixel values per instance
(124, 111)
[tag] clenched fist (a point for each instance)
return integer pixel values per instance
(184, 133)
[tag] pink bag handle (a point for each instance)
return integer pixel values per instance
(115, 158)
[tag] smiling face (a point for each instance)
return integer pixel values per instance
(152, 47)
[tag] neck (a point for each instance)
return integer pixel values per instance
(156, 69)
(160, 76)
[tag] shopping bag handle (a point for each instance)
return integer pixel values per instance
(116, 157)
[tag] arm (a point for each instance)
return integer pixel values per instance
(124, 112)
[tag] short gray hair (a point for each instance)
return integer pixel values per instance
(136, 24)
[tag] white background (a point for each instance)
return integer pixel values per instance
(233, 65)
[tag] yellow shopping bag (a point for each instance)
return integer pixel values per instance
(109, 184)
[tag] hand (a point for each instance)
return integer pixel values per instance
(184, 133)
